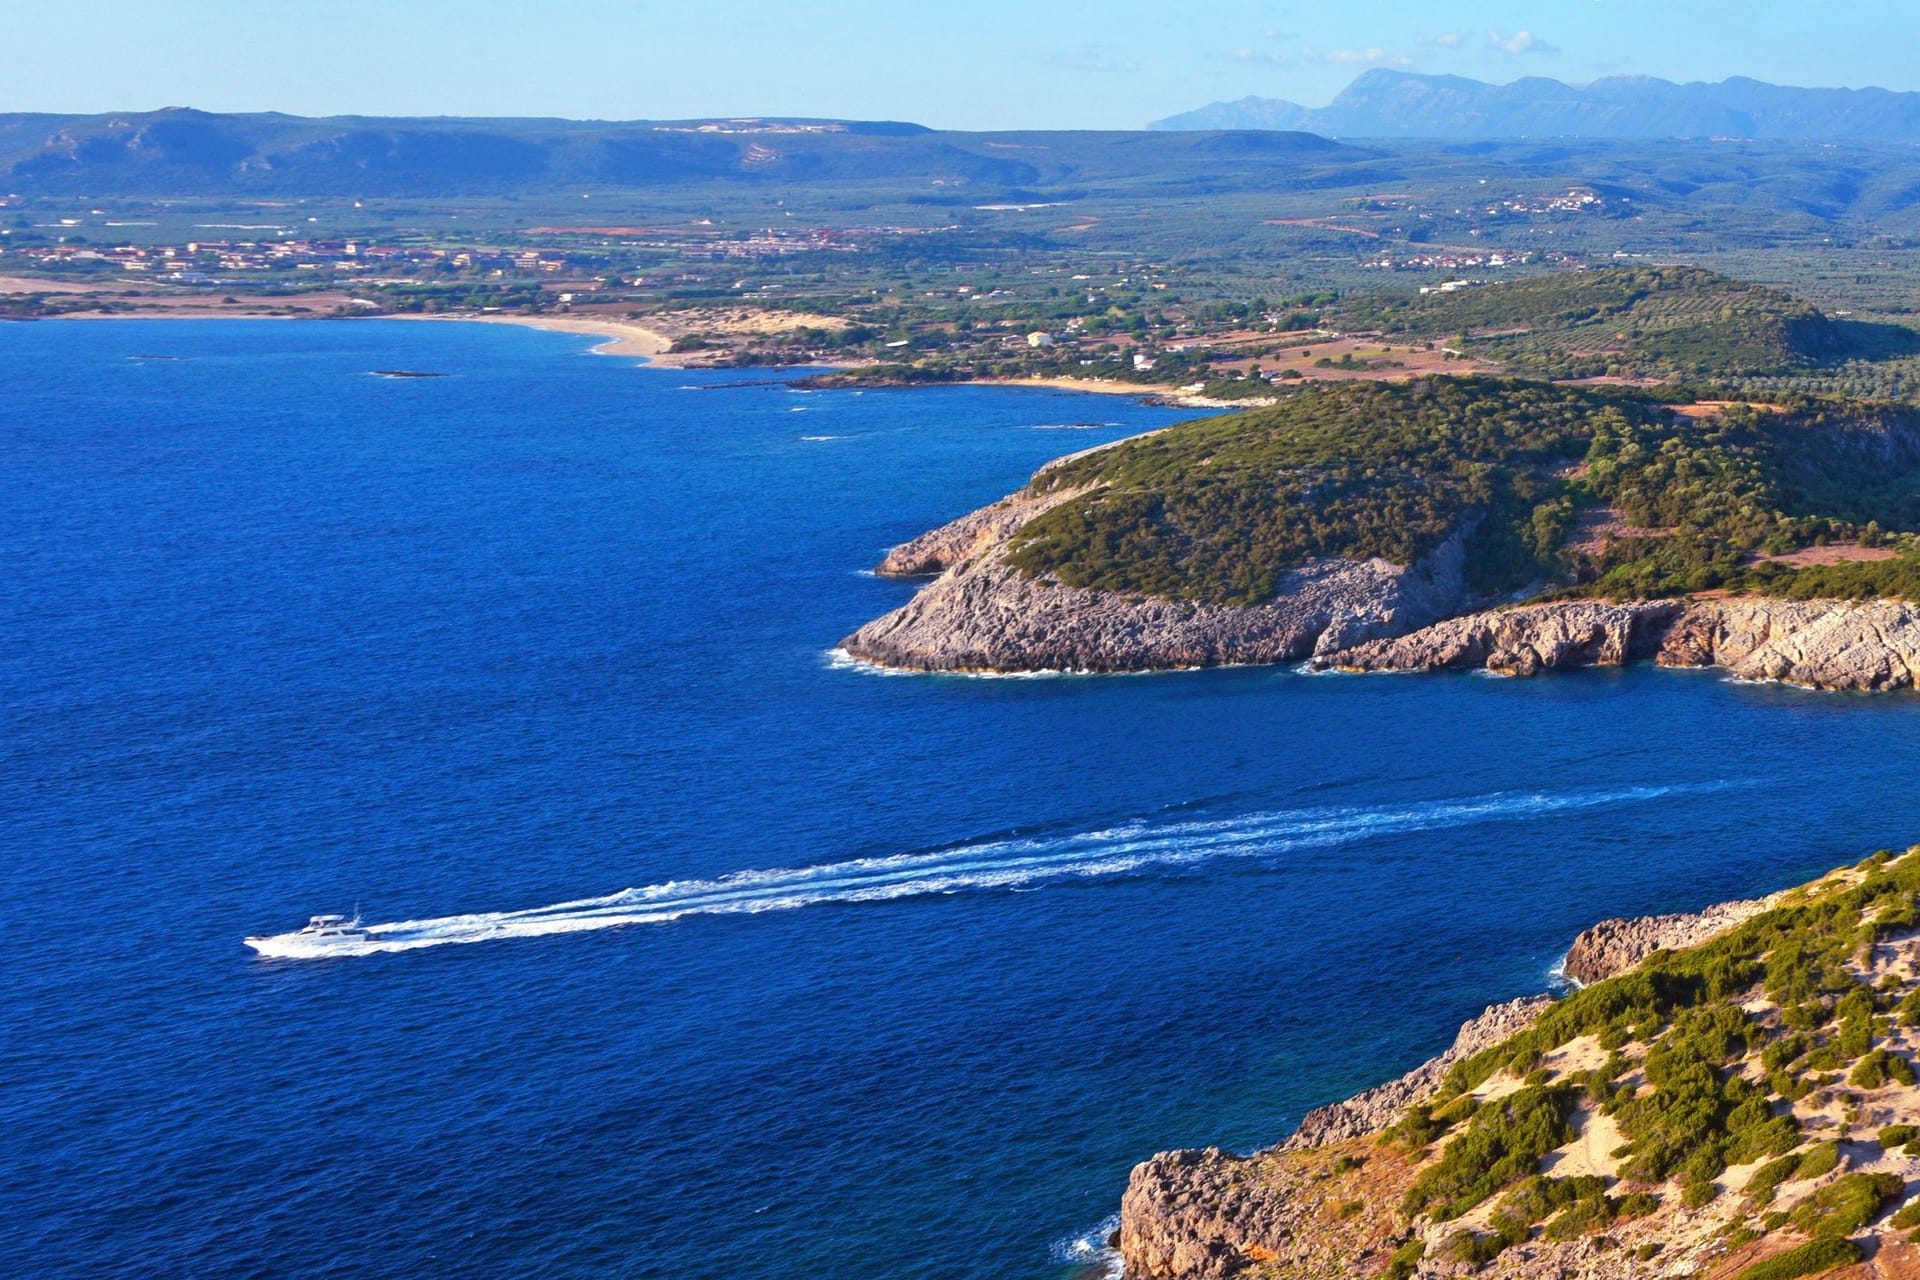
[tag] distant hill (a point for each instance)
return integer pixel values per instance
(179, 151)
(1399, 104)
(1636, 321)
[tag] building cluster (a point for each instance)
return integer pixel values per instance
(1574, 201)
(191, 262)
(1449, 260)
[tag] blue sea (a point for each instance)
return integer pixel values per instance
(914, 968)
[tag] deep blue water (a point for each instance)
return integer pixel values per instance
(281, 637)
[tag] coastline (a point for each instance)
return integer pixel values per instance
(623, 337)
(633, 340)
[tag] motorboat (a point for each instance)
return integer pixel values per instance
(330, 934)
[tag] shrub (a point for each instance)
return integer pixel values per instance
(1467, 1248)
(1879, 1068)
(1809, 1259)
(1637, 1204)
(1768, 1177)
(1896, 1135)
(1587, 1214)
(1698, 1191)
(1820, 1160)
(1536, 1198)
(1907, 1216)
(1843, 1207)
(1407, 1257)
(1415, 1129)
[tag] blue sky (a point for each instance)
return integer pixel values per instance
(981, 64)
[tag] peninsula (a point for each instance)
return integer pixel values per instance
(1601, 511)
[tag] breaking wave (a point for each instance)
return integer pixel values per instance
(1000, 864)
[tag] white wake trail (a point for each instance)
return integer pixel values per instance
(1009, 863)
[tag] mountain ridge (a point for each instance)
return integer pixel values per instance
(1386, 103)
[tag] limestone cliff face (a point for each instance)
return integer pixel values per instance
(1207, 1215)
(1821, 644)
(981, 614)
(974, 534)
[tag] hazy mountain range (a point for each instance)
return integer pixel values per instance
(183, 151)
(1400, 104)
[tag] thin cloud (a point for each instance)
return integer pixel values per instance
(1098, 59)
(1448, 40)
(1368, 57)
(1259, 57)
(1519, 44)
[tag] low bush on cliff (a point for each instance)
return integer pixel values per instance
(1699, 1110)
(1809, 1259)
(1405, 1260)
(1844, 1206)
(1881, 1068)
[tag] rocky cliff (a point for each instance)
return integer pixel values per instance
(981, 614)
(1821, 644)
(1208, 1214)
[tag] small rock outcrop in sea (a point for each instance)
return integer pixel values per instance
(1820, 644)
(982, 614)
(1615, 946)
(1208, 1214)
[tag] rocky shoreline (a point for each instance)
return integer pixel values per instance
(1865, 646)
(981, 615)
(1208, 1214)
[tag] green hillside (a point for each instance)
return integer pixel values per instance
(1564, 489)
(1633, 321)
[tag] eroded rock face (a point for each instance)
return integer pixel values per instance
(980, 614)
(1821, 644)
(975, 533)
(1520, 641)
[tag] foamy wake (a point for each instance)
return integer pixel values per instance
(1011, 863)
(1089, 1251)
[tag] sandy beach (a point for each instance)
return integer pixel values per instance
(623, 337)
(1138, 390)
